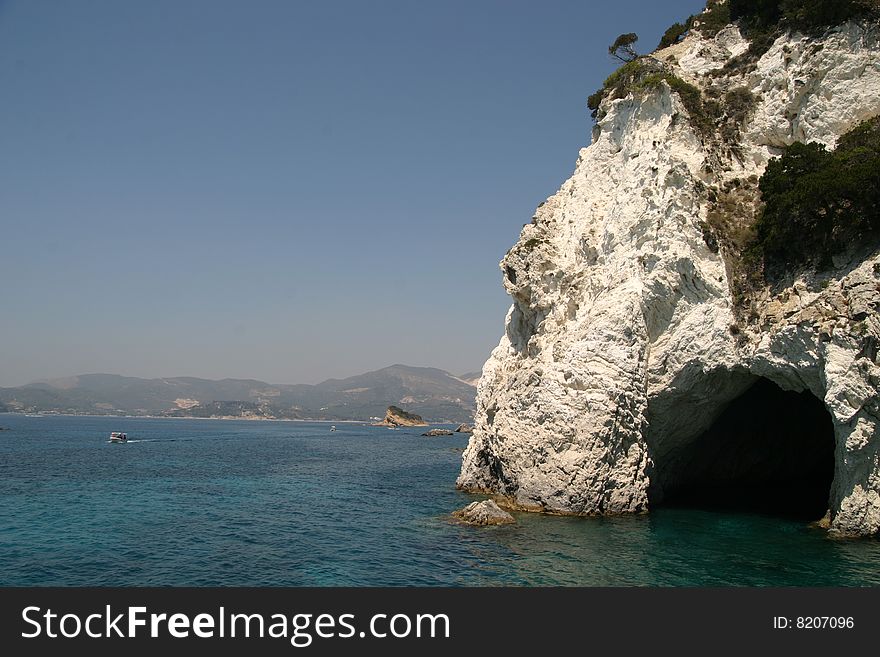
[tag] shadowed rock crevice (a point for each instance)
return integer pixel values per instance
(769, 451)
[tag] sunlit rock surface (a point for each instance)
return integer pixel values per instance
(622, 346)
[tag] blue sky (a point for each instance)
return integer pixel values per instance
(287, 191)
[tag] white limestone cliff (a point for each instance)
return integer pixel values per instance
(622, 343)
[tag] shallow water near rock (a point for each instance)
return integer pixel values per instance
(236, 503)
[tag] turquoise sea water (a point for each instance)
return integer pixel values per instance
(209, 502)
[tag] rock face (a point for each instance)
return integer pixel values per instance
(438, 432)
(623, 347)
(397, 417)
(464, 428)
(484, 513)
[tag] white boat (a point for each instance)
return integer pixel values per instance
(118, 437)
(333, 427)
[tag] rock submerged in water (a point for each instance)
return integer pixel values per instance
(397, 417)
(438, 432)
(484, 513)
(464, 428)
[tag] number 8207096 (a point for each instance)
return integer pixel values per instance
(813, 623)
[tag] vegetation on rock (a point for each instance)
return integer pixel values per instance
(762, 21)
(618, 84)
(701, 114)
(811, 203)
(397, 417)
(623, 49)
(715, 18)
(715, 113)
(645, 73)
(673, 34)
(803, 15)
(819, 203)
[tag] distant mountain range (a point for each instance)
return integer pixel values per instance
(432, 393)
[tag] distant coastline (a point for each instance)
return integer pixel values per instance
(367, 423)
(434, 394)
(191, 417)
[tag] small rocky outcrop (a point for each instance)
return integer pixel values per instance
(464, 428)
(397, 417)
(483, 513)
(438, 432)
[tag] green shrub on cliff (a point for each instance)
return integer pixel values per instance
(713, 19)
(673, 34)
(818, 203)
(758, 14)
(762, 21)
(702, 114)
(803, 15)
(646, 73)
(708, 115)
(621, 81)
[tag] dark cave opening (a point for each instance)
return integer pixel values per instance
(770, 451)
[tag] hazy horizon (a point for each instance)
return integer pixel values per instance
(281, 191)
(242, 378)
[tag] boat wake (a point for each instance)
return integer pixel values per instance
(155, 440)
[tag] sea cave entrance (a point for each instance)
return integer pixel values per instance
(769, 451)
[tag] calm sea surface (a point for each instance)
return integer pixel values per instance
(209, 502)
